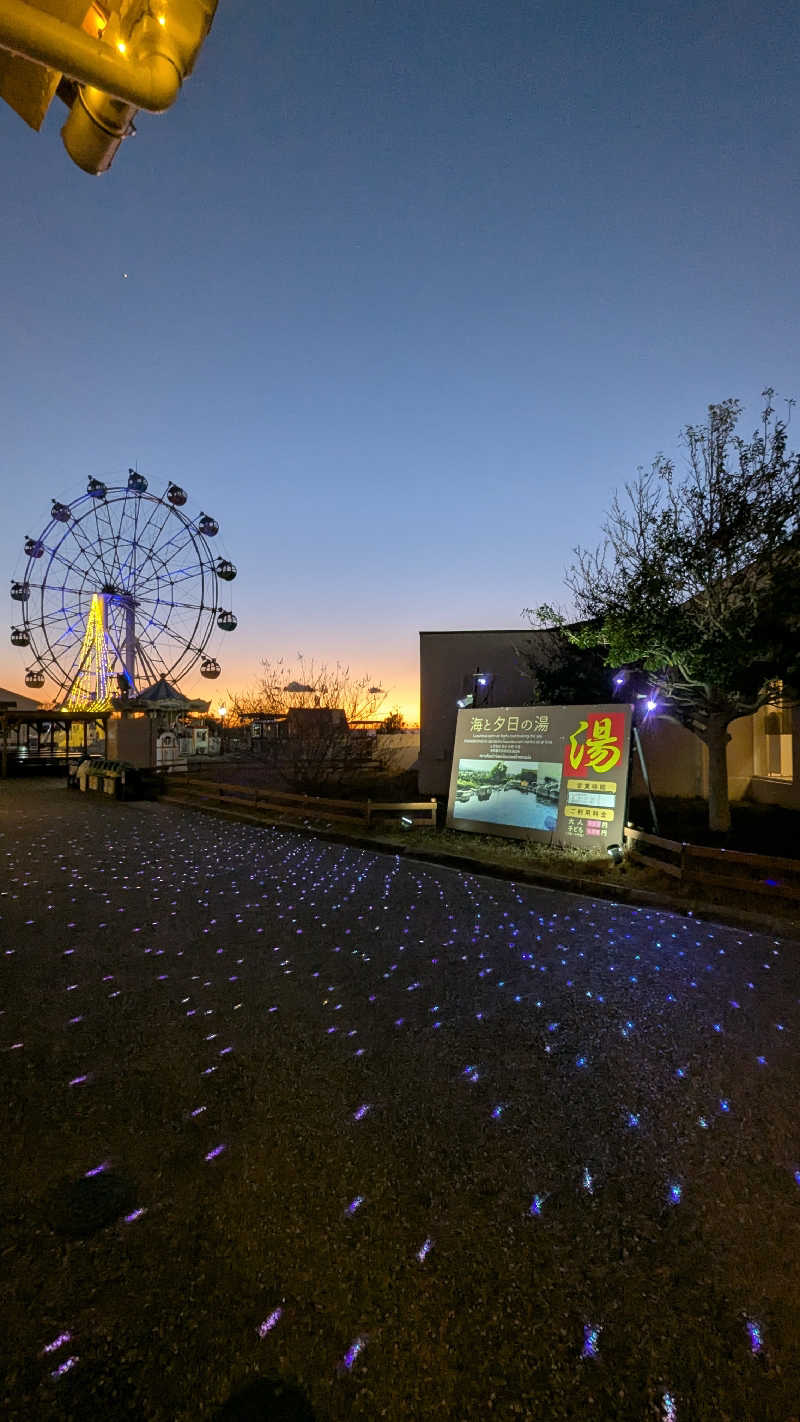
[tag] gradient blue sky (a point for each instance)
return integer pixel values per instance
(411, 289)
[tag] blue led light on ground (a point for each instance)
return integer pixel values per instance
(604, 1008)
(591, 1341)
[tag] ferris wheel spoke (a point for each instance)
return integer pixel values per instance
(118, 541)
(161, 597)
(91, 553)
(55, 614)
(167, 549)
(59, 590)
(90, 550)
(172, 574)
(164, 627)
(140, 532)
(185, 575)
(154, 540)
(69, 563)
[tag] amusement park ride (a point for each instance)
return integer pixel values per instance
(120, 590)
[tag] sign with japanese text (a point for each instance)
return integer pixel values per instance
(553, 773)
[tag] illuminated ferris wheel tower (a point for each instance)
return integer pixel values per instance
(120, 590)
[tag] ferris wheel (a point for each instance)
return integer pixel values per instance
(120, 589)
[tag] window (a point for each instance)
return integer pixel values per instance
(773, 742)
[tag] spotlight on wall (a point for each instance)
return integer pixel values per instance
(464, 701)
(651, 704)
(615, 854)
(406, 821)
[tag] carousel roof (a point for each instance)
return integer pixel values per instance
(163, 697)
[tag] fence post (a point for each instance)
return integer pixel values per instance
(683, 864)
(434, 808)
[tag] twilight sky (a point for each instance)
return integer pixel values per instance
(411, 289)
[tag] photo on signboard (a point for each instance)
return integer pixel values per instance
(508, 792)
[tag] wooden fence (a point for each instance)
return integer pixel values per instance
(262, 800)
(695, 866)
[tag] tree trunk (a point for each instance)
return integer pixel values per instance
(719, 809)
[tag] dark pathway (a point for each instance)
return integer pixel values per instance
(291, 1130)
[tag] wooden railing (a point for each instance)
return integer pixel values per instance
(264, 800)
(694, 865)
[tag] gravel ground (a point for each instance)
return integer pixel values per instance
(292, 1130)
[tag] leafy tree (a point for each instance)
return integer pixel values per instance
(498, 773)
(698, 581)
(562, 673)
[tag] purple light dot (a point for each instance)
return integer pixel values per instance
(536, 1205)
(425, 1250)
(56, 1343)
(77, 1080)
(270, 1322)
(360, 1113)
(134, 1215)
(675, 1194)
(591, 1336)
(354, 1204)
(212, 1154)
(98, 1170)
(64, 1367)
(353, 1352)
(756, 1341)
(198, 1111)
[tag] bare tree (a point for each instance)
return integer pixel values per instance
(319, 707)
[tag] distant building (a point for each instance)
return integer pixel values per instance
(13, 701)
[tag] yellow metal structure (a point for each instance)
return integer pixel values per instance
(124, 56)
(91, 689)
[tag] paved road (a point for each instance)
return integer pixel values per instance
(328, 1135)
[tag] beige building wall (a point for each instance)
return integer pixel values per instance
(675, 759)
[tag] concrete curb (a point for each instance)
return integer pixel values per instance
(786, 929)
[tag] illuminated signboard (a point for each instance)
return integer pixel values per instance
(553, 773)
